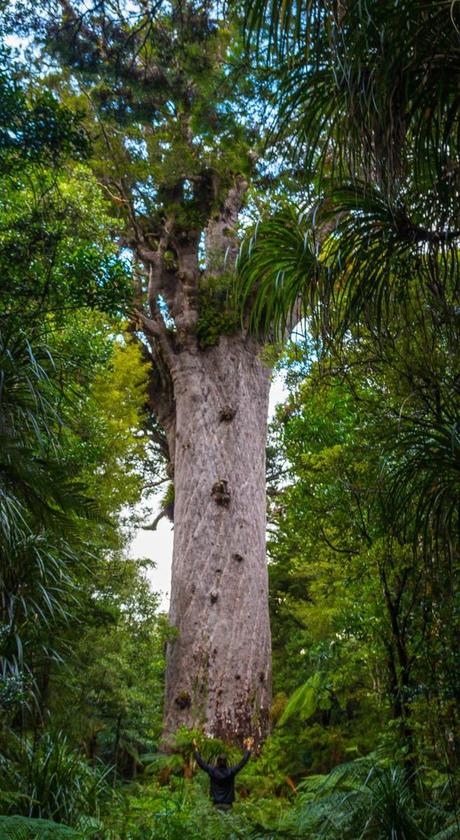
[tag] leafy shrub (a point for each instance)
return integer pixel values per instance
(182, 811)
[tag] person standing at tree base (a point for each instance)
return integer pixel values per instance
(222, 777)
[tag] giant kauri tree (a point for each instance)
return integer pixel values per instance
(164, 90)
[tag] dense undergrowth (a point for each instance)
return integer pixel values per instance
(63, 796)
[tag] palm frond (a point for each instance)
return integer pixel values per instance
(42, 510)
(378, 253)
(368, 101)
(450, 832)
(355, 257)
(423, 475)
(362, 85)
(277, 27)
(276, 269)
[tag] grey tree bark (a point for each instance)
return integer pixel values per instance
(218, 670)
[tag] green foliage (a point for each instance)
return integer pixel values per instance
(365, 556)
(270, 287)
(112, 697)
(355, 587)
(72, 401)
(183, 810)
(171, 115)
(25, 828)
(55, 246)
(218, 314)
(375, 133)
(56, 432)
(39, 131)
(365, 799)
(162, 92)
(106, 419)
(355, 87)
(426, 475)
(55, 241)
(47, 779)
(307, 699)
(364, 472)
(41, 506)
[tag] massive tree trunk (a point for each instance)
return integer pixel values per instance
(218, 669)
(210, 394)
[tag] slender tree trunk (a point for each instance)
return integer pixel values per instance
(218, 666)
(399, 666)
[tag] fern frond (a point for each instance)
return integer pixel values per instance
(25, 828)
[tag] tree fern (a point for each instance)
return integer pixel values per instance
(24, 828)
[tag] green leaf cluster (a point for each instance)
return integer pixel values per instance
(217, 310)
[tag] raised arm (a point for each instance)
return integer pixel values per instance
(237, 767)
(202, 763)
(199, 760)
(247, 752)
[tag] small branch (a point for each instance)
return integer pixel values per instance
(153, 525)
(153, 484)
(334, 547)
(156, 329)
(151, 328)
(167, 511)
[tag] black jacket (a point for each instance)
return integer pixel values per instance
(222, 779)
